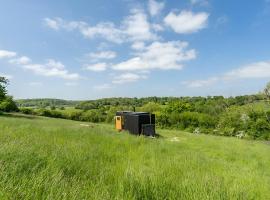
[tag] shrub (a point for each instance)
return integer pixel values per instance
(8, 105)
(92, 116)
(73, 115)
(233, 120)
(50, 113)
(27, 111)
(193, 119)
(150, 107)
(259, 129)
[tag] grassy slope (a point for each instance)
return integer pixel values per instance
(44, 158)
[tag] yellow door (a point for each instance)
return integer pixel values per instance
(118, 123)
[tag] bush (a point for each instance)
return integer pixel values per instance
(8, 105)
(110, 114)
(192, 119)
(50, 113)
(233, 120)
(92, 116)
(150, 107)
(162, 119)
(259, 129)
(73, 115)
(27, 111)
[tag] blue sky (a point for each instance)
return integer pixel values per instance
(109, 48)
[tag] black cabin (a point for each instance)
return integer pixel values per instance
(138, 123)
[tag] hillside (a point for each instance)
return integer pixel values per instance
(62, 159)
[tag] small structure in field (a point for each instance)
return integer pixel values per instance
(137, 123)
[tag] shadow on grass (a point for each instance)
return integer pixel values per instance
(17, 115)
(159, 136)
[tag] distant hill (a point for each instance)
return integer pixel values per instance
(137, 102)
(45, 102)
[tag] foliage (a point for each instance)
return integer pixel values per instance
(8, 105)
(150, 107)
(28, 111)
(3, 90)
(92, 116)
(6, 102)
(247, 115)
(43, 103)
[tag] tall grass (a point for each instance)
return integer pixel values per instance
(43, 158)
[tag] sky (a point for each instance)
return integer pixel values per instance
(81, 49)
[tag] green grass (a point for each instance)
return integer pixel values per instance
(43, 158)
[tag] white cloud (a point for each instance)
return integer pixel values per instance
(105, 30)
(103, 87)
(137, 27)
(58, 23)
(20, 61)
(103, 55)
(7, 76)
(102, 46)
(138, 46)
(155, 7)
(251, 71)
(254, 70)
(128, 78)
(134, 27)
(53, 24)
(52, 69)
(98, 67)
(186, 21)
(7, 54)
(157, 27)
(199, 2)
(164, 56)
(55, 64)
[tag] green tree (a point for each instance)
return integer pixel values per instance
(151, 107)
(8, 105)
(267, 91)
(3, 90)
(6, 102)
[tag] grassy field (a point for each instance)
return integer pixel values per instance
(43, 158)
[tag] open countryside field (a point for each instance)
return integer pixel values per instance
(44, 158)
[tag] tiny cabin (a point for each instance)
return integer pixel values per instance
(137, 123)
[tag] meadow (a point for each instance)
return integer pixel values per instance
(46, 158)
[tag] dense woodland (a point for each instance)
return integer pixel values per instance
(241, 116)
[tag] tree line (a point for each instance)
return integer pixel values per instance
(241, 116)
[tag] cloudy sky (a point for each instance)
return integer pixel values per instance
(80, 49)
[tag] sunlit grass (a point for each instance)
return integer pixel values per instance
(43, 158)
